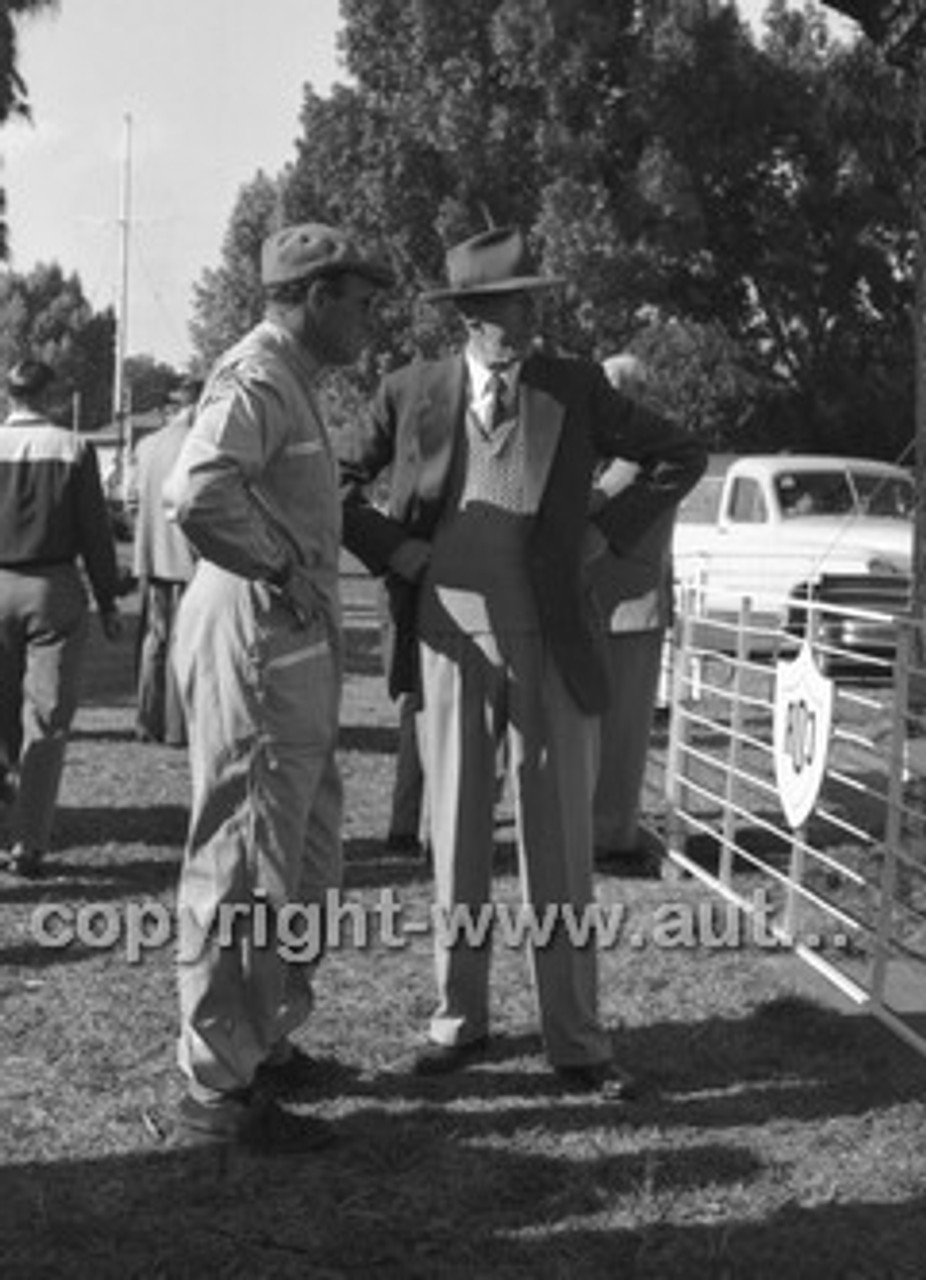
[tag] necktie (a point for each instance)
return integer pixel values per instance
(495, 401)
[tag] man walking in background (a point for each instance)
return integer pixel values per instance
(258, 654)
(163, 565)
(52, 513)
(484, 546)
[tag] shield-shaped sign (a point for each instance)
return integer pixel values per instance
(803, 717)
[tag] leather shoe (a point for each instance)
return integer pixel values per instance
(244, 1120)
(442, 1059)
(604, 1078)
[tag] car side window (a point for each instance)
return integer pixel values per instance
(747, 502)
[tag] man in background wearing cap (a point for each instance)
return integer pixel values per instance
(52, 511)
(258, 658)
(163, 564)
(492, 453)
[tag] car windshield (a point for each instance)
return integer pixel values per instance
(891, 496)
(840, 493)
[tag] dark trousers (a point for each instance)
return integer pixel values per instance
(43, 629)
(160, 712)
(408, 787)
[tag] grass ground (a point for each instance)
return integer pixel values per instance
(776, 1135)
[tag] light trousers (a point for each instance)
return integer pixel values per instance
(261, 696)
(477, 691)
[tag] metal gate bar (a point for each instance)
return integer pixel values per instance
(847, 890)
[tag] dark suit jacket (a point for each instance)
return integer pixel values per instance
(573, 418)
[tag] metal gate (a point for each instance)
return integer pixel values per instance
(846, 889)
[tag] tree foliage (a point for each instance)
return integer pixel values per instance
(14, 99)
(227, 300)
(739, 210)
(150, 382)
(44, 314)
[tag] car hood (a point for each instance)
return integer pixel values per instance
(834, 542)
(841, 538)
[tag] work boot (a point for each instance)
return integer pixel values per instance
(253, 1123)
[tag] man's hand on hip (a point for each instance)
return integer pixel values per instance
(410, 559)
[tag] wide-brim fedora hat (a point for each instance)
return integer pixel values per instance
(495, 261)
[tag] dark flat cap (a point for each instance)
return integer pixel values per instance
(29, 378)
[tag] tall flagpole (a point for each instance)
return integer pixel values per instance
(122, 304)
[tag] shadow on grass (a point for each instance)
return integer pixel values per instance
(149, 824)
(102, 735)
(870, 1240)
(771, 848)
(31, 955)
(435, 1198)
(406, 1191)
(71, 881)
(790, 1059)
(368, 864)
(369, 739)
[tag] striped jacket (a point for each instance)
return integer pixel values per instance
(52, 508)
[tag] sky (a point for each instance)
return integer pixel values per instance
(213, 90)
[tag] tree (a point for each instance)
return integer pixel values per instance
(44, 314)
(14, 99)
(150, 382)
(227, 300)
(689, 181)
(831, 268)
(700, 377)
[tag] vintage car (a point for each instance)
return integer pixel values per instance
(807, 539)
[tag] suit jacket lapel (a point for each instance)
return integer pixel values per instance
(542, 415)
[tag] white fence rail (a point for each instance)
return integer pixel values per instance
(847, 888)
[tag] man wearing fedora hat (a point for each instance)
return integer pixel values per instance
(484, 547)
(258, 658)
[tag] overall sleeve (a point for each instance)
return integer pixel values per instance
(239, 429)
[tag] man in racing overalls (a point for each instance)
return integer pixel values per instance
(258, 660)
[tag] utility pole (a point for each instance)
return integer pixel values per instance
(122, 305)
